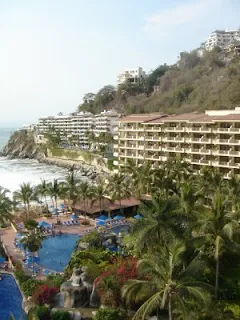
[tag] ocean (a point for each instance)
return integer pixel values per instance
(4, 136)
(13, 172)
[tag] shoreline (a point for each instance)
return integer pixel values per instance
(89, 171)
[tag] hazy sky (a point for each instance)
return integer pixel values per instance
(54, 51)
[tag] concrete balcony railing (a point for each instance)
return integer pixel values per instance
(154, 129)
(156, 138)
(156, 147)
(234, 130)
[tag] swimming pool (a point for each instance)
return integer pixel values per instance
(56, 251)
(10, 299)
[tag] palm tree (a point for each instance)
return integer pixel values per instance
(118, 188)
(98, 193)
(85, 192)
(25, 194)
(216, 228)
(165, 283)
(56, 191)
(32, 242)
(6, 206)
(141, 177)
(210, 182)
(160, 223)
(43, 191)
(234, 192)
(71, 187)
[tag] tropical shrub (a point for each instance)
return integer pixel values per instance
(108, 314)
(42, 313)
(21, 276)
(31, 224)
(55, 281)
(93, 239)
(44, 294)
(61, 315)
(30, 286)
(109, 283)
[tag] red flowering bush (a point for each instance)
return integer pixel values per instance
(109, 283)
(44, 294)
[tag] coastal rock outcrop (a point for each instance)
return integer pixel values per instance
(22, 145)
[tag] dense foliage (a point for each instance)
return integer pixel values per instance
(200, 80)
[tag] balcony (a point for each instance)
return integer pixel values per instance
(156, 138)
(131, 129)
(152, 129)
(156, 147)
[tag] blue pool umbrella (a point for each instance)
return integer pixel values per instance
(51, 206)
(44, 224)
(102, 217)
(61, 205)
(118, 218)
(2, 259)
(55, 211)
(100, 223)
(137, 216)
(74, 217)
(19, 235)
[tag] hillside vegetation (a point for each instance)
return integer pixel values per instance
(194, 83)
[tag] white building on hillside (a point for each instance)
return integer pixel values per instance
(131, 75)
(75, 126)
(222, 39)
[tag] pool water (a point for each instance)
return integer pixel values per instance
(56, 251)
(10, 299)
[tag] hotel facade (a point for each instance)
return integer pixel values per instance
(201, 139)
(77, 125)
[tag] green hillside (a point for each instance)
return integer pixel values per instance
(195, 82)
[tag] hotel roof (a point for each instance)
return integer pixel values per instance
(142, 118)
(193, 117)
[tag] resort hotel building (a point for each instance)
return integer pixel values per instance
(201, 139)
(131, 75)
(77, 125)
(222, 39)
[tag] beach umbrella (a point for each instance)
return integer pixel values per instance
(102, 217)
(2, 259)
(74, 217)
(51, 206)
(137, 216)
(44, 224)
(100, 223)
(118, 217)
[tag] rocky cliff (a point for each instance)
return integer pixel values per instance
(22, 145)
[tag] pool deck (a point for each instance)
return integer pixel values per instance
(8, 235)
